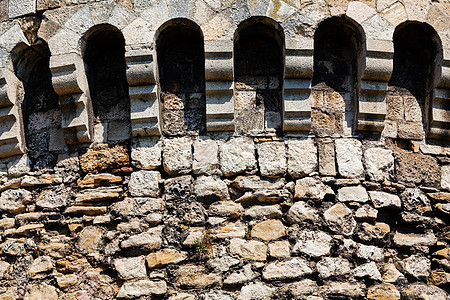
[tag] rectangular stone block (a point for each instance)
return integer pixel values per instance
(17, 8)
(394, 108)
(206, 157)
(302, 157)
(327, 166)
(411, 130)
(348, 157)
(272, 159)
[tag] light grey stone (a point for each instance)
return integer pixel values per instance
(339, 219)
(348, 157)
(290, 269)
(131, 267)
(241, 277)
(366, 213)
(272, 159)
(206, 158)
(54, 198)
(4, 269)
(256, 291)
(300, 212)
(253, 182)
(177, 156)
(299, 290)
(143, 242)
(302, 157)
(313, 243)
(17, 8)
(182, 296)
(382, 199)
(134, 289)
(445, 177)
(422, 291)
(280, 249)
(261, 212)
(217, 295)
(237, 155)
(368, 270)
(13, 201)
(311, 188)
(250, 250)
(223, 264)
(146, 153)
(353, 194)
(343, 290)
(370, 253)
(379, 163)
(332, 266)
(417, 266)
(40, 291)
(227, 209)
(145, 183)
(210, 189)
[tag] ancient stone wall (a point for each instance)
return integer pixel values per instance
(231, 150)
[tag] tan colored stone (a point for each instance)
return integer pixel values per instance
(92, 180)
(191, 276)
(268, 230)
(383, 292)
(40, 265)
(250, 250)
(86, 210)
(164, 257)
(41, 291)
(104, 157)
(67, 280)
(280, 249)
(89, 239)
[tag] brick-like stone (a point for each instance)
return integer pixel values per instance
(104, 157)
(327, 160)
(134, 289)
(146, 154)
(237, 155)
(353, 194)
(272, 159)
(177, 156)
(131, 267)
(445, 177)
(250, 250)
(382, 200)
(348, 157)
(290, 269)
(313, 243)
(379, 163)
(206, 158)
(164, 257)
(339, 219)
(302, 157)
(268, 230)
(145, 183)
(417, 168)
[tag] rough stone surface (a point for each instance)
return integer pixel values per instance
(311, 188)
(131, 268)
(301, 157)
(294, 268)
(417, 266)
(272, 159)
(379, 163)
(103, 157)
(353, 194)
(268, 230)
(383, 291)
(339, 219)
(206, 158)
(313, 243)
(236, 156)
(348, 157)
(300, 212)
(417, 168)
(256, 291)
(130, 290)
(332, 266)
(209, 189)
(383, 200)
(251, 250)
(177, 156)
(145, 183)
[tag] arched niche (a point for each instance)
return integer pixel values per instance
(417, 65)
(339, 61)
(181, 77)
(40, 108)
(258, 76)
(103, 50)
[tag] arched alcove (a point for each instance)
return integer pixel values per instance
(417, 62)
(40, 108)
(181, 77)
(258, 76)
(103, 49)
(339, 60)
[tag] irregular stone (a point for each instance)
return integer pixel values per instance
(391, 274)
(98, 195)
(379, 163)
(440, 278)
(253, 183)
(164, 257)
(182, 296)
(420, 291)
(339, 219)
(313, 243)
(7, 223)
(445, 177)
(348, 157)
(298, 290)
(230, 230)
(332, 266)
(241, 277)
(95, 180)
(280, 249)
(366, 213)
(300, 212)
(412, 239)
(353, 194)
(417, 168)
(103, 157)
(383, 292)
(130, 268)
(145, 183)
(417, 266)
(191, 276)
(250, 250)
(178, 188)
(13, 247)
(210, 189)
(237, 155)
(54, 198)
(86, 210)
(177, 156)
(139, 206)
(369, 252)
(382, 200)
(206, 158)
(40, 265)
(345, 290)
(268, 230)
(217, 295)
(41, 291)
(311, 188)
(44, 179)
(265, 196)
(13, 201)
(443, 208)
(272, 159)
(228, 209)
(66, 280)
(4, 269)
(378, 233)
(290, 269)
(368, 270)
(143, 242)
(256, 291)
(146, 154)
(131, 290)
(261, 212)
(90, 239)
(301, 157)
(223, 263)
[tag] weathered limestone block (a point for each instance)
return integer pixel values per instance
(378, 233)
(332, 266)
(227, 209)
(339, 219)
(353, 194)
(302, 157)
(369, 252)
(383, 200)
(280, 249)
(145, 183)
(368, 270)
(313, 243)
(40, 265)
(445, 177)
(210, 189)
(290, 269)
(343, 289)
(272, 159)
(14, 201)
(268, 230)
(250, 250)
(164, 257)
(89, 239)
(104, 157)
(67, 280)
(348, 157)
(130, 268)
(177, 155)
(327, 160)
(143, 242)
(178, 188)
(146, 153)
(410, 239)
(41, 291)
(4, 269)
(230, 230)
(261, 212)
(379, 163)
(191, 276)
(311, 188)
(417, 266)
(239, 278)
(299, 289)
(253, 183)
(417, 168)
(206, 158)
(131, 290)
(300, 212)
(256, 291)
(236, 156)
(423, 292)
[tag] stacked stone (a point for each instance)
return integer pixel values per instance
(236, 218)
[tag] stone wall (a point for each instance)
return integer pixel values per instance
(324, 176)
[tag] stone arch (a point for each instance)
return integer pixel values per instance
(103, 50)
(258, 76)
(339, 61)
(180, 59)
(416, 72)
(40, 106)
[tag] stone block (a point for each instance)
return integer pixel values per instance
(301, 157)
(237, 155)
(104, 157)
(417, 168)
(411, 131)
(348, 157)
(353, 194)
(145, 183)
(206, 158)
(268, 230)
(177, 156)
(290, 269)
(383, 200)
(18, 8)
(445, 177)
(135, 289)
(339, 219)
(130, 268)
(327, 161)
(379, 163)
(272, 159)
(146, 153)
(313, 243)
(250, 250)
